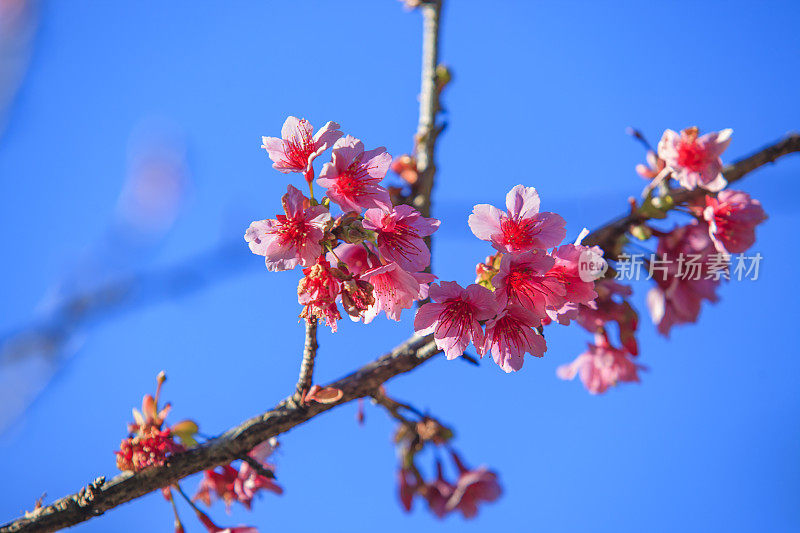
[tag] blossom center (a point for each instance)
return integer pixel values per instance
(291, 230)
(299, 148)
(691, 155)
(519, 233)
(353, 181)
(456, 318)
(403, 239)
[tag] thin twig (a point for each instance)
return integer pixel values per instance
(258, 467)
(307, 365)
(393, 408)
(427, 128)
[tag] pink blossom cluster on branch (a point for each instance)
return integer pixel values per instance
(150, 443)
(371, 258)
(723, 222)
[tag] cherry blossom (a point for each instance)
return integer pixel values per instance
(578, 280)
(522, 227)
(229, 484)
(150, 443)
(683, 281)
(249, 481)
(695, 161)
(472, 488)
(400, 235)
(353, 176)
(522, 280)
(510, 335)
(297, 148)
(455, 319)
(601, 366)
(292, 239)
(732, 219)
(571, 271)
(394, 290)
(438, 493)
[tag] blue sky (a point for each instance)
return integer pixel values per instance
(542, 95)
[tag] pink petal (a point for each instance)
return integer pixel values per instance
(485, 221)
(522, 202)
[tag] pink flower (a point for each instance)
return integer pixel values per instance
(732, 219)
(394, 289)
(293, 238)
(653, 167)
(601, 367)
(611, 306)
(522, 227)
(317, 292)
(249, 481)
(522, 280)
(455, 320)
(695, 161)
(438, 493)
(571, 270)
(473, 487)
(231, 485)
(510, 335)
(400, 235)
(679, 301)
(353, 176)
(683, 281)
(297, 149)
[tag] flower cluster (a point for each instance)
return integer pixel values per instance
(371, 258)
(471, 488)
(149, 442)
(518, 290)
(724, 224)
(601, 366)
